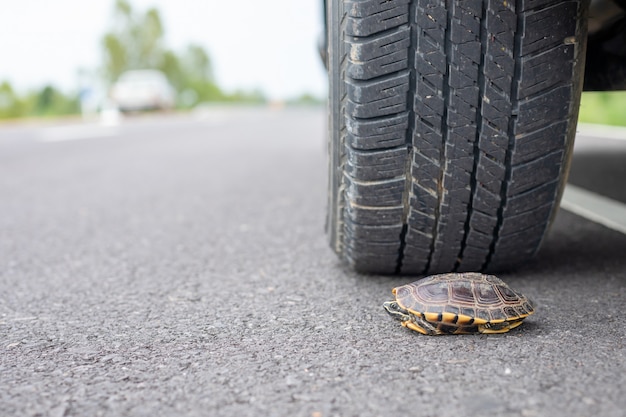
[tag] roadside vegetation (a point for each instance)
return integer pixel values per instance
(607, 108)
(47, 101)
(135, 40)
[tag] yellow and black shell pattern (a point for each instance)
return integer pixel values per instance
(461, 303)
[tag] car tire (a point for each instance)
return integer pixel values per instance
(451, 129)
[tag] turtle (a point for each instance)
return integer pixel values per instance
(459, 303)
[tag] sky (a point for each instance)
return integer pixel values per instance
(268, 45)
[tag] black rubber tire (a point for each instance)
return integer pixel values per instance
(451, 129)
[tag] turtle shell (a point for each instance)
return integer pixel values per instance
(463, 299)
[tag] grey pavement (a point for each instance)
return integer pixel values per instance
(178, 267)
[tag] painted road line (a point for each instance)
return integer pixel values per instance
(601, 131)
(77, 132)
(595, 207)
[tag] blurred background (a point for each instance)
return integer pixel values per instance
(65, 57)
(72, 57)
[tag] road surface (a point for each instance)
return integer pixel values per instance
(178, 267)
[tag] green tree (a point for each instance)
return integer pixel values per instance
(115, 61)
(135, 41)
(195, 76)
(198, 64)
(10, 104)
(48, 101)
(150, 40)
(51, 102)
(171, 66)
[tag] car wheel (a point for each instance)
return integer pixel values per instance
(451, 129)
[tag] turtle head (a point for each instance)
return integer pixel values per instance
(396, 311)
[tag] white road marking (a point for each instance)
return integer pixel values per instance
(595, 207)
(601, 131)
(77, 132)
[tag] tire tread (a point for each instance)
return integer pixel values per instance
(457, 120)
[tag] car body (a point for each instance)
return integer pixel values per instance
(143, 90)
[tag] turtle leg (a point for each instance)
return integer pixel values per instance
(421, 326)
(493, 330)
(498, 328)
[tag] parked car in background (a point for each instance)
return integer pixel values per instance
(143, 90)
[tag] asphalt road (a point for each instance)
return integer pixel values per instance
(178, 267)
